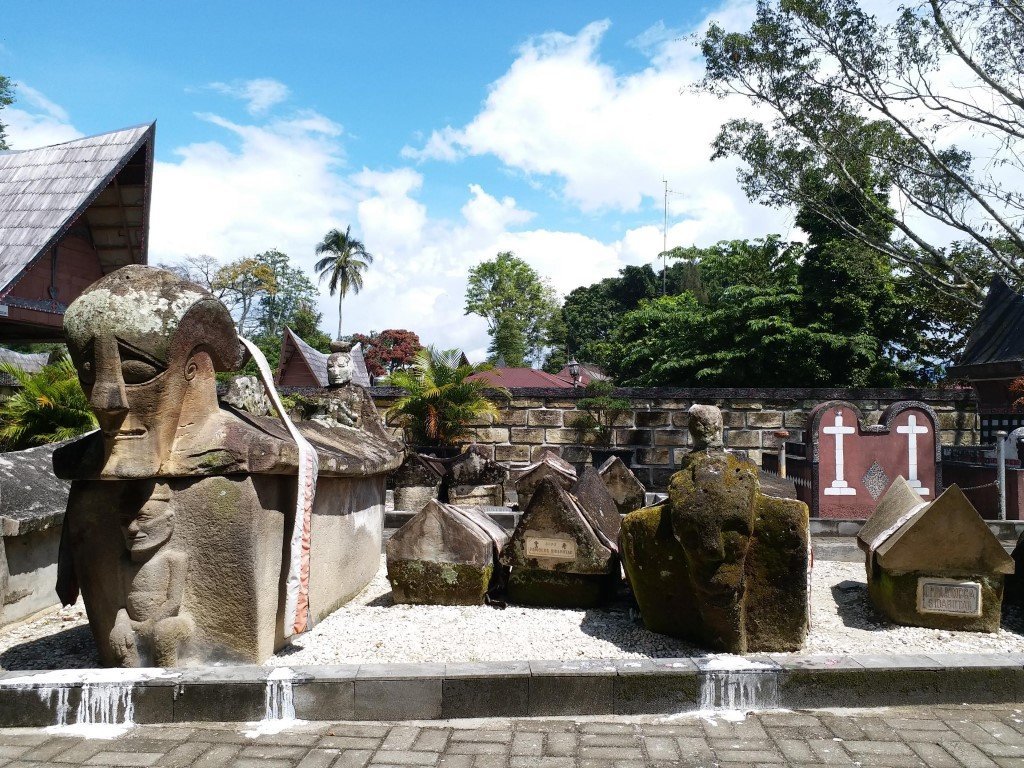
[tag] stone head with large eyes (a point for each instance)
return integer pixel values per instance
(147, 344)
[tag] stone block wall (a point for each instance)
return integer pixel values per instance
(655, 434)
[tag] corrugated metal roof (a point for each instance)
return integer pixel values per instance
(521, 377)
(43, 191)
(317, 360)
(31, 362)
(998, 334)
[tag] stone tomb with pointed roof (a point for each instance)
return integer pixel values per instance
(549, 465)
(564, 551)
(445, 555)
(934, 564)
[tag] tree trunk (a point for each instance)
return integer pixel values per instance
(341, 297)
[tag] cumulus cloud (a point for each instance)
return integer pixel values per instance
(259, 95)
(36, 121)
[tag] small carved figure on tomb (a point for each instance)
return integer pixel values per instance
(706, 428)
(340, 368)
(150, 625)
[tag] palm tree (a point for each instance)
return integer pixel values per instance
(345, 262)
(48, 407)
(439, 403)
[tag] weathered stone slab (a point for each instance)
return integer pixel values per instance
(476, 495)
(627, 491)
(445, 555)
(599, 506)
(916, 577)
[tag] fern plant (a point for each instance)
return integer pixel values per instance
(440, 401)
(48, 407)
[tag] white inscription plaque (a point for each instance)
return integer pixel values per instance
(559, 549)
(949, 596)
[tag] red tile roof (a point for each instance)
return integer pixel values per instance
(522, 377)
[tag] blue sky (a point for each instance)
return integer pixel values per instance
(441, 132)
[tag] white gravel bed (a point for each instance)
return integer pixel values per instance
(371, 629)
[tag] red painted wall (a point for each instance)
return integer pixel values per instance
(296, 374)
(78, 267)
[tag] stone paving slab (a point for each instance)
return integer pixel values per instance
(938, 736)
(385, 692)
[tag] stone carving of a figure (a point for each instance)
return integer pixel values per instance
(150, 624)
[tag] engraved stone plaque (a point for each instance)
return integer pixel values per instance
(559, 549)
(949, 596)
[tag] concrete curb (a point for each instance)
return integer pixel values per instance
(513, 689)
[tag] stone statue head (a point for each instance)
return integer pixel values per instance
(706, 427)
(147, 344)
(150, 527)
(340, 368)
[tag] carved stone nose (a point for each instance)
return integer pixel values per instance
(108, 399)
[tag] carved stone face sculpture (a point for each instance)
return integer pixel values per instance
(151, 526)
(147, 343)
(706, 427)
(340, 369)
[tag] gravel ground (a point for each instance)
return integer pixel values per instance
(371, 629)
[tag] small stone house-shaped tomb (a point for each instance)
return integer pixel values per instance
(475, 479)
(445, 555)
(934, 564)
(559, 554)
(628, 492)
(417, 481)
(549, 465)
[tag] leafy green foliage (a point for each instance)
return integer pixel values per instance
(600, 411)
(856, 108)
(521, 309)
(49, 406)
(344, 264)
(440, 401)
(6, 99)
(778, 314)
(591, 313)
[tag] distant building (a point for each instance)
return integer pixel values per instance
(69, 214)
(303, 366)
(29, 362)
(534, 378)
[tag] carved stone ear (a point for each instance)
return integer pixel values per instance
(209, 326)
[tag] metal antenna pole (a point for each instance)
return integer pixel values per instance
(664, 245)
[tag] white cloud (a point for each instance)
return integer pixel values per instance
(36, 121)
(260, 94)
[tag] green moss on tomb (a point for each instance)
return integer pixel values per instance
(555, 589)
(895, 596)
(420, 582)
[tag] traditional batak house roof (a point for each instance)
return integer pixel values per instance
(69, 214)
(303, 366)
(994, 357)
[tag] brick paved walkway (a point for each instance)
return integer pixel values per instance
(935, 737)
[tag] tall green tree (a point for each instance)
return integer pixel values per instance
(520, 307)
(49, 406)
(6, 99)
(440, 400)
(841, 89)
(293, 292)
(344, 264)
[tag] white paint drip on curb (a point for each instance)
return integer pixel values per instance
(278, 705)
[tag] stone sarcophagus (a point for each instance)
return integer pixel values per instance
(445, 555)
(564, 551)
(476, 480)
(845, 465)
(934, 564)
(550, 465)
(417, 481)
(194, 532)
(720, 564)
